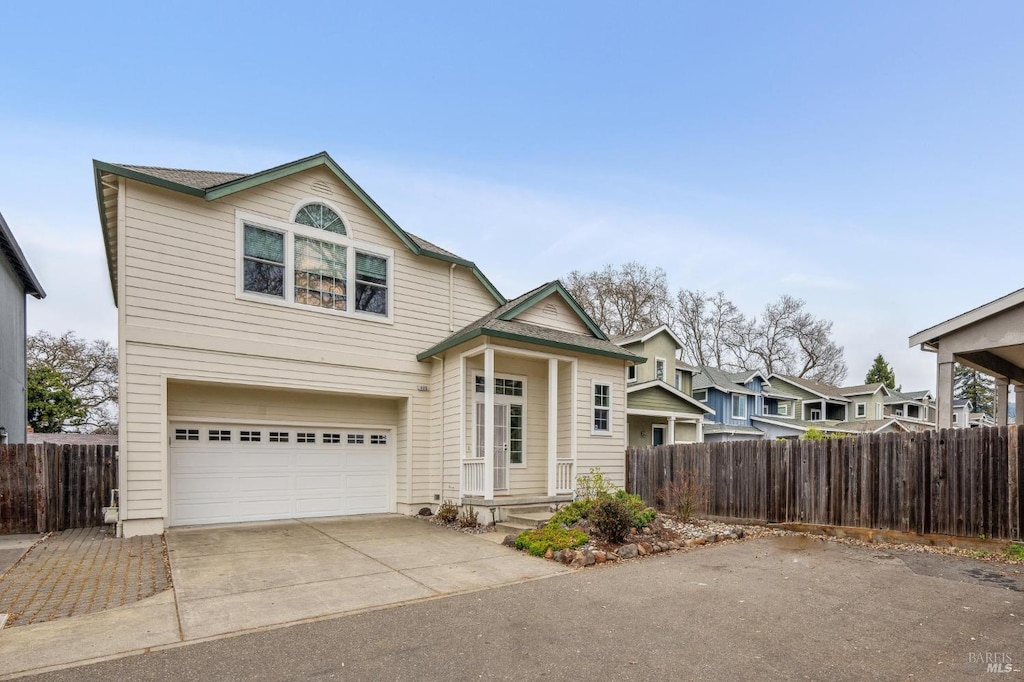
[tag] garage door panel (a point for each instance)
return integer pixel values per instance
(218, 477)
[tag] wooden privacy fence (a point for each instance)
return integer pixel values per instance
(963, 482)
(52, 487)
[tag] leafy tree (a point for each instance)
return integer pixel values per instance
(622, 300)
(89, 371)
(881, 373)
(51, 403)
(979, 388)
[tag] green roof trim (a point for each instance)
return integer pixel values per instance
(555, 287)
(523, 338)
(276, 173)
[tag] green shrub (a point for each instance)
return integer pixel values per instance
(468, 518)
(612, 517)
(640, 512)
(593, 486)
(447, 512)
(572, 512)
(538, 542)
(1015, 551)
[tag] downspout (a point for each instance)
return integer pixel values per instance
(451, 298)
(444, 380)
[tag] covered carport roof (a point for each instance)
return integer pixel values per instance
(989, 338)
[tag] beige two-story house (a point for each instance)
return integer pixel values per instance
(287, 350)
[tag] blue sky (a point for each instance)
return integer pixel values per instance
(866, 157)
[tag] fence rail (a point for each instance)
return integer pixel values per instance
(51, 487)
(964, 482)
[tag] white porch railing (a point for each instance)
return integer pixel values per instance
(473, 476)
(565, 481)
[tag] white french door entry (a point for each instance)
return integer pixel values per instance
(501, 441)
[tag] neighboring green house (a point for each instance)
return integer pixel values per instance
(660, 408)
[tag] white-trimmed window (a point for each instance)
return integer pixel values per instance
(878, 410)
(679, 379)
(739, 406)
(701, 394)
(659, 369)
(602, 402)
(313, 262)
(862, 410)
(783, 409)
(955, 416)
(631, 373)
(815, 414)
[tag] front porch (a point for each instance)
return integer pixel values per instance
(517, 441)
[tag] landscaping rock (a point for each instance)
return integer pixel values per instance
(600, 557)
(713, 537)
(557, 556)
(738, 532)
(672, 544)
(588, 558)
(510, 540)
(568, 556)
(628, 551)
(645, 548)
(549, 554)
(425, 511)
(578, 560)
(657, 548)
(699, 541)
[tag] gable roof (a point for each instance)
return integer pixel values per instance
(10, 249)
(658, 384)
(815, 387)
(712, 377)
(213, 185)
(863, 389)
(645, 334)
(930, 337)
(499, 324)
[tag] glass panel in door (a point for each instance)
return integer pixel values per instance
(501, 447)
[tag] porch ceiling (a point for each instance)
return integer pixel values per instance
(1005, 361)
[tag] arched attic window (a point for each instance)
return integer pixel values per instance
(321, 217)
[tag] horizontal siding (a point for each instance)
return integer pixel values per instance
(657, 399)
(554, 312)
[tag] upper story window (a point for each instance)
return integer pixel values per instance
(631, 373)
(701, 394)
(321, 217)
(739, 407)
(862, 409)
(314, 262)
(679, 379)
(659, 369)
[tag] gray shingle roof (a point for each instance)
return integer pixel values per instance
(635, 336)
(729, 428)
(712, 377)
(196, 179)
(491, 323)
(861, 389)
(815, 387)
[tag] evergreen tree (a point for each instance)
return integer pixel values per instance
(979, 388)
(881, 373)
(51, 403)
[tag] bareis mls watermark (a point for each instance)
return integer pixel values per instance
(991, 662)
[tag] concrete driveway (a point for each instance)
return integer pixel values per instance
(243, 576)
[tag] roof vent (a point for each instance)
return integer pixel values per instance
(321, 187)
(551, 309)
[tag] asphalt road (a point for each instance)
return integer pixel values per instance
(778, 608)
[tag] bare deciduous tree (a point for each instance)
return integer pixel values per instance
(89, 369)
(710, 326)
(622, 300)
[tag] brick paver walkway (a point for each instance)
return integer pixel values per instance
(83, 570)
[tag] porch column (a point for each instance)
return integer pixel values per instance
(671, 439)
(552, 425)
(489, 424)
(1002, 397)
(700, 430)
(944, 394)
(1018, 397)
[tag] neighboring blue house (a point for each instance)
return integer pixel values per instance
(734, 397)
(16, 282)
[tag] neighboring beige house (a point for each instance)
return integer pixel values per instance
(915, 410)
(660, 408)
(990, 339)
(965, 416)
(287, 350)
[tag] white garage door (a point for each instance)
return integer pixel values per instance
(236, 472)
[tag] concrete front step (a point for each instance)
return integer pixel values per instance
(507, 527)
(535, 519)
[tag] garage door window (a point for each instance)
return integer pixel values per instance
(250, 436)
(355, 439)
(186, 434)
(278, 436)
(331, 438)
(378, 439)
(305, 437)
(220, 435)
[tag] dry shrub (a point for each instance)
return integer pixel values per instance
(686, 496)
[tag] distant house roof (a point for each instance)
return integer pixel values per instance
(816, 387)
(500, 323)
(213, 185)
(863, 389)
(686, 366)
(668, 388)
(10, 249)
(731, 429)
(645, 334)
(73, 438)
(712, 377)
(897, 398)
(962, 403)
